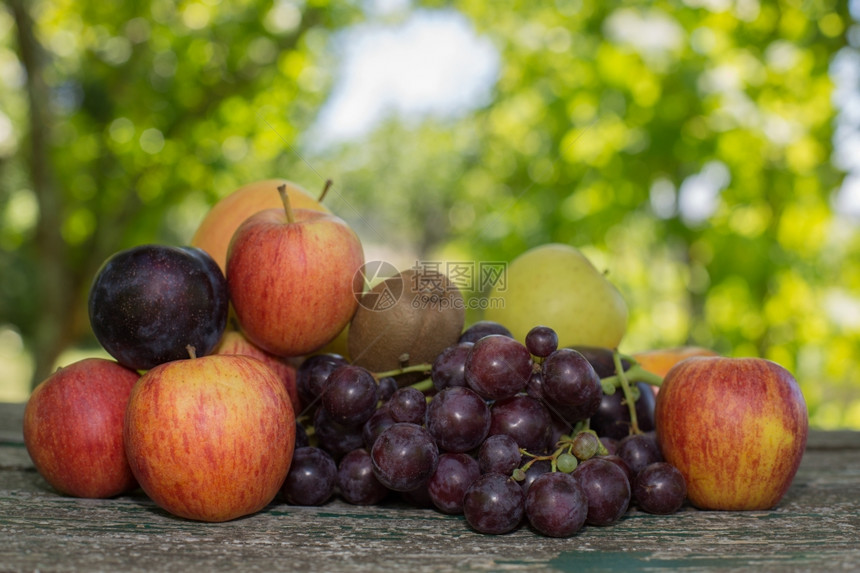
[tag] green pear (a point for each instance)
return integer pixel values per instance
(555, 285)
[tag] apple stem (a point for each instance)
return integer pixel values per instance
(192, 352)
(285, 199)
(628, 393)
(326, 187)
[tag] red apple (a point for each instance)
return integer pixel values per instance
(292, 278)
(234, 342)
(211, 438)
(221, 221)
(73, 428)
(736, 429)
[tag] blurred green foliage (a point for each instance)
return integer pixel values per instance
(597, 134)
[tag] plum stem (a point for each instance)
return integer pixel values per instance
(285, 199)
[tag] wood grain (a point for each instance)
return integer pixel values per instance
(815, 528)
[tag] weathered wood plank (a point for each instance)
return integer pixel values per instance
(815, 528)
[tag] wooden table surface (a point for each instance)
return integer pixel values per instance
(815, 528)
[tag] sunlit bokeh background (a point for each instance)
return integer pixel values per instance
(705, 153)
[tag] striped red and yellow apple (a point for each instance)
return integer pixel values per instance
(212, 438)
(293, 278)
(736, 428)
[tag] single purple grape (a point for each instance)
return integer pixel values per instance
(404, 457)
(542, 341)
(494, 504)
(311, 479)
(570, 385)
(607, 489)
(356, 481)
(525, 419)
(638, 451)
(556, 505)
(659, 488)
(350, 395)
(408, 405)
(458, 419)
(448, 484)
(499, 454)
(498, 367)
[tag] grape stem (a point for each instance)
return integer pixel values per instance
(634, 374)
(403, 370)
(628, 393)
(564, 445)
(424, 385)
(536, 457)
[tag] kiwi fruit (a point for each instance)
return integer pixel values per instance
(407, 319)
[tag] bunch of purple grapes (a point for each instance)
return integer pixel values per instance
(502, 432)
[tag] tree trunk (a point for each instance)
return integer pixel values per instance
(51, 331)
